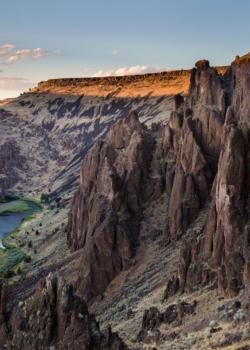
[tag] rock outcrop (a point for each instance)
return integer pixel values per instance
(54, 318)
(191, 145)
(215, 174)
(246, 254)
(203, 162)
(194, 177)
(156, 84)
(105, 214)
(153, 318)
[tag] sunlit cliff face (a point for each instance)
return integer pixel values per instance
(153, 85)
(144, 85)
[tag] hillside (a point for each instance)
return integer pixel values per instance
(46, 133)
(143, 243)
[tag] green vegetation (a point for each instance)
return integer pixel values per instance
(17, 206)
(27, 200)
(27, 258)
(44, 197)
(36, 201)
(13, 256)
(9, 258)
(4, 198)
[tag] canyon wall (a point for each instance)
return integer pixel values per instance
(191, 168)
(53, 126)
(218, 114)
(203, 165)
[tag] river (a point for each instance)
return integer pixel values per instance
(10, 222)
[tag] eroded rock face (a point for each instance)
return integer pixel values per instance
(204, 151)
(246, 253)
(240, 70)
(226, 244)
(105, 215)
(191, 143)
(54, 317)
(207, 145)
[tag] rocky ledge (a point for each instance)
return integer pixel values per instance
(53, 318)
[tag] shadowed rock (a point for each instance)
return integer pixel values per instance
(207, 140)
(105, 214)
(54, 317)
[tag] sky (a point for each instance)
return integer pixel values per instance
(47, 39)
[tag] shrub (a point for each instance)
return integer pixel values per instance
(9, 274)
(13, 258)
(58, 199)
(27, 258)
(44, 197)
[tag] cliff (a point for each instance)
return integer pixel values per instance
(60, 120)
(196, 180)
(54, 317)
(144, 85)
(156, 84)
(106, 211)
(158, 227)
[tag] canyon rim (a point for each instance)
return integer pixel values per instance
(124, 191)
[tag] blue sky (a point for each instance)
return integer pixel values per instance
(74, 38)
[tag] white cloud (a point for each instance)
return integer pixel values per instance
(5, 49)
(9, 54)
(133, 70)
(40, 53)
(18, 55)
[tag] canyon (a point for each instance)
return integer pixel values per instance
(144, 240)
(46, 133)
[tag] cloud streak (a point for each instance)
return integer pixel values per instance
(10, 55)
(12, 83)
(133, 70)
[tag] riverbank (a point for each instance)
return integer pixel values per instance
(14, 256)
(14, 206)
